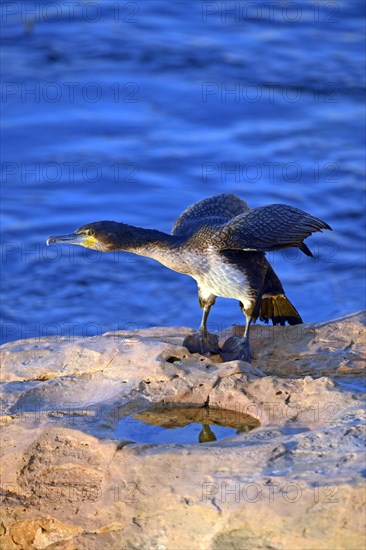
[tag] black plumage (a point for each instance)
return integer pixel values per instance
(221, 243)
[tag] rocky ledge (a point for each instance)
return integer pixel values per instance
(295, 481)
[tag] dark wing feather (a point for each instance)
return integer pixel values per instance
(269, 228)
(224, 207)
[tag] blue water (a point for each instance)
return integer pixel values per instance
(132, 114)
(140, 432)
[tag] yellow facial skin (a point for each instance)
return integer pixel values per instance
(90, 242)
(80, 239)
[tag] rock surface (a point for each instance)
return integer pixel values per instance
(295, 482)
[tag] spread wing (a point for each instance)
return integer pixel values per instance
(269, 228)
(223, 207)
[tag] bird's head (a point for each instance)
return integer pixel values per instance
(105, 236)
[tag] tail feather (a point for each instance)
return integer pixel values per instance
(264, 310)
(279, 310)
(305, 249)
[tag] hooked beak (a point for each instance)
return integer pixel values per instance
(72, 238)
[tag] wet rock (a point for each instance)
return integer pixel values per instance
(294, 481)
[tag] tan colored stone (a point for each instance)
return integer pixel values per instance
(41, 533)
(294, 482)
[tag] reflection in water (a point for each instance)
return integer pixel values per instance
(172, 424)
(206, 434)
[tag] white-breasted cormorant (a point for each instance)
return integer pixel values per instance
(221, 243)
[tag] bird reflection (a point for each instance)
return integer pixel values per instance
(206, 434)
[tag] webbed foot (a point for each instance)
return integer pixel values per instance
(236, 348)
(202, 342)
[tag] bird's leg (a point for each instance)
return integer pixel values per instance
(202, 341)
(238, 348)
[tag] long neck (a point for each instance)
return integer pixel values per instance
(143, 241)
(160, 246)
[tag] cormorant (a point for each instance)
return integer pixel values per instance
(221, 243)
(206, 435)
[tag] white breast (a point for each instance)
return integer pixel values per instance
(212, 273)
(214, 276)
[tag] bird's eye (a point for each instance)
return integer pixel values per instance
(90, 232)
